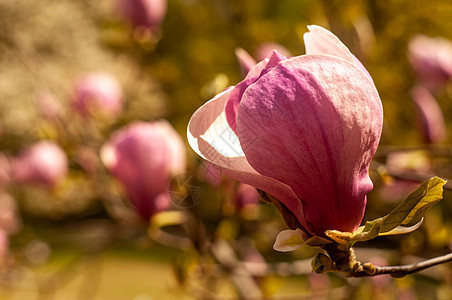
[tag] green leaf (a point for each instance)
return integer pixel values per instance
(371, 230)
(415, 205)
(398, 221)
(409, 212)
(368, 232)
(402, 229)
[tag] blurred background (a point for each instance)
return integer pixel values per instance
(78, 79)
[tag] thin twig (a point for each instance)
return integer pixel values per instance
(400, 271)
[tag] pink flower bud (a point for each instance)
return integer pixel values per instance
(430, 115)
(431, 59)
(246, 195)
(303, 130)
(42, 163)
(98, 94)
(210, 173)
(143, 13)
(143, 157)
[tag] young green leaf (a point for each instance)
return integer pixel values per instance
(415, 205)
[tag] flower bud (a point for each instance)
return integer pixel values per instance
(430, 115)
(302, 130)
(143, 156)
(42, 163)
(431, 59)
(246, 195)
(98, 94)
(143, 13)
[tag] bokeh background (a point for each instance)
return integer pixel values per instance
(80, 239)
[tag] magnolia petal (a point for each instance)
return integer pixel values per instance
(318, 40)
(321, 41)
(290, 240)
(257, 69)
(211, 137)
(331, 156)
(245, 60)
(236, 94)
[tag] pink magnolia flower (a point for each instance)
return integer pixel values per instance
(42, 163)
(143, 157)
(430, 115)
(143, 13)
(96, 94)
(303, 130)
(431, 59)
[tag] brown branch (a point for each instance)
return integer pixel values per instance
(335, 259)
(400, 271)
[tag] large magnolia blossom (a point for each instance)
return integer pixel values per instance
(303, 130)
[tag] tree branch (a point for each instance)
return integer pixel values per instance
(400, 271)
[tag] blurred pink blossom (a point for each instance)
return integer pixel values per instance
(143, 13)
(430, 115)
(431, 59)
(303, 130)
(42, 163)
(143, 156)
(98, 94)
(246, 195)
(210, 173)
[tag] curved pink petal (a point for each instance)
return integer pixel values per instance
(430, 115)
(210, 135)
(246, 61)
(320, 118)
(321, 41)
(237, 92)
